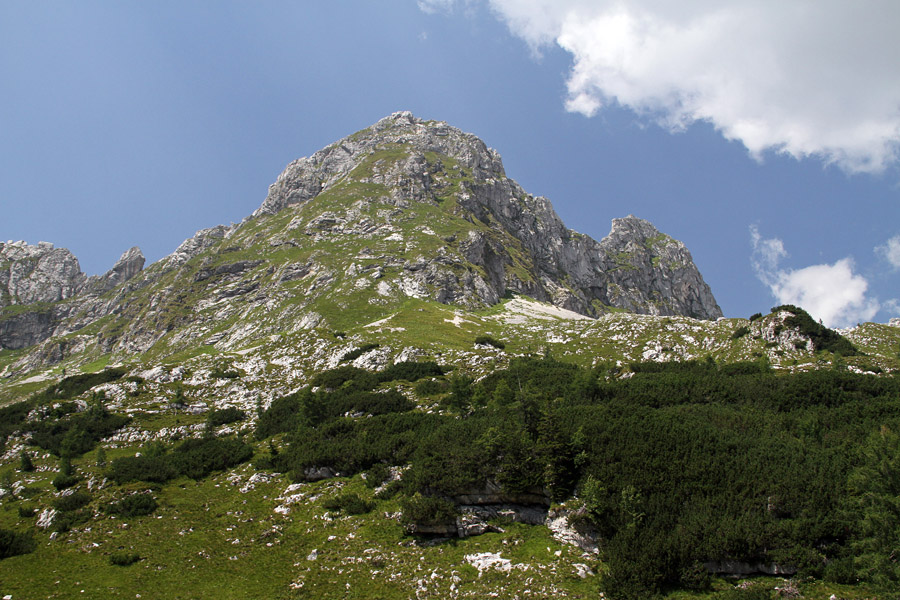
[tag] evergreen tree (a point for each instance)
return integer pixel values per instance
(26, 466)
(875, 496)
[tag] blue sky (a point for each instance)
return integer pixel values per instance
(769, 150)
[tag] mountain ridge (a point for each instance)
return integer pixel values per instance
(406, 208)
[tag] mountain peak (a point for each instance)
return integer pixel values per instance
(306, 177)
(404, 209)
(508, 239)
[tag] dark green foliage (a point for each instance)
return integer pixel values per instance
(123, 559)
(78, 384)
(755, 316)
(430, 387)
(220, 373)
(26, 465)
(281, 416)
(26, 512)
(377, 475)
(427, 510)
(740, 332)
(681, 464)
(489, 341)
(874, 487)
(194, 458)
(78, 433)
(29, 491)
(344, 390)
(64, 521)
(354, 354)
(350, 446)
(460, 397)
(12, 417)
(411, 371)
(13, 543)
(225, 415)
(359, 379)
(72, 502)
(349, 503)
(136, 505)
(198, 458)
(822, 337)
(63, 481)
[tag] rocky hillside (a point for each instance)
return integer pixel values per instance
(404, 209)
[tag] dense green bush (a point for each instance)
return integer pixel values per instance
(431, 387)
(427, 510)
(410, 371)
(136, 505)
(377, 475)
(72, 502)
(359, 379)
(349, 503)
(13, 543)
(64, 521)
(26, 465)
(220, 373)
(740, 332)
(225, 415)
(76, 434)
(75, 385)
(63, 481)
(356, 353)
(194, 458)
(680, 464)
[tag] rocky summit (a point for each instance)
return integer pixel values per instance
(406, 208)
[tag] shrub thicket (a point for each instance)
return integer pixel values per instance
(194, 458)
(349, 503)
(225, 415)
(136, 505)
(680, 464)
(356, 353)
(14, 543)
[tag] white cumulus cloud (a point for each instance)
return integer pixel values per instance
(805, 77)
(890, 251)
(830, 292)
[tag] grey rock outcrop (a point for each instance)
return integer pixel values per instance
(635, 268)
(129, 264)
(404, 208)
(51, 294)
(41, 273)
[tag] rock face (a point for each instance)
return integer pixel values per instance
(129, 264)
(520, 244)
(404, 209)
(41, 273)
(48, 287)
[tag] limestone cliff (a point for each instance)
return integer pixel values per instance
(404, 209)
(520, 244)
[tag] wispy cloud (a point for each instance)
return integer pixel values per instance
(804, 78)
(890, 251)
(830, 292)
